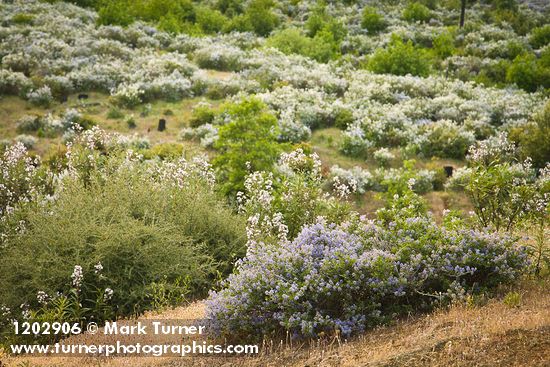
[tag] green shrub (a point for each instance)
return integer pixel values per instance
(202, 114)
(169, 24)
(210, 21)
(230, 7)
(145, 228)
(446, 139)
(540, 36)
(131, 122)
(502, 191)
(114, 12)
(22, 18)
(154, 10)
(164, 151)
(443, 44)
(260, 17)
(512, 299)
(416, 12)
(534, 138)
(248, 141)
(526, 73)
(115, 113)
(522, 22)
(493, 73)
(373, 21)
(400, 58)
(240, 23)
(344, 118)
(29, 123)
(324, 46)
(290, 41)
(505, 4)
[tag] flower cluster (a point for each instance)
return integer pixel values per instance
(421, 181)
(346, 278)
(18, 177)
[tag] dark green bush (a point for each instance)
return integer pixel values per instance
(540, 36)
(373, 21)
(400, 58)
(527, 73)
(210, 21)
(28, 124)
(260, 17)
(446, 140)
(230, 7)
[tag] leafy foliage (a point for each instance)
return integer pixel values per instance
(400, 58)
(247, 142)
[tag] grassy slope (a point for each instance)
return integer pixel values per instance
(324, 141)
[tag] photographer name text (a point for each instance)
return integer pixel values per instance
(152, 328)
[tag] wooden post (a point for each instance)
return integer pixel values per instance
(162, 125)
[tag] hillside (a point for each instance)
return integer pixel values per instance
(367, 180)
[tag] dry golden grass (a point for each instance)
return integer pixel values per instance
(490, 335)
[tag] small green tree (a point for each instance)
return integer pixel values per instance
(247, 143)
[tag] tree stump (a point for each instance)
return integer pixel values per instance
(162, 125)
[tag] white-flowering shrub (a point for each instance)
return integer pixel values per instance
(41, 96)
(219, 57)
(28, 141)
(383, 157)
(207, 134)
(14, 82)
(28, 123)
(357, 177)
(128, 95)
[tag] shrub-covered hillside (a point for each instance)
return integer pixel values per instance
(311, 168)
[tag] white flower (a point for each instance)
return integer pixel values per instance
(77, 276)
(108, 294)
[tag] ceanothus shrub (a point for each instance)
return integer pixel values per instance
(353, 276)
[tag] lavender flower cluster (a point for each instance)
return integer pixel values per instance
(348, 277)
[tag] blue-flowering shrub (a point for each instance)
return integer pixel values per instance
(350, 277)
